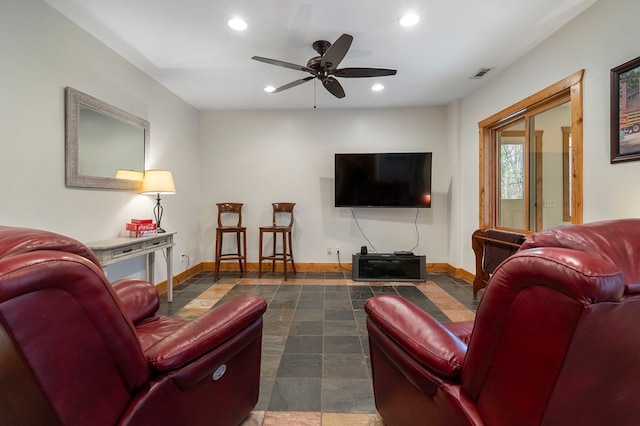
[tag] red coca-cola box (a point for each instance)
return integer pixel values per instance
(141, 229)
(141, 226)
(141, 220)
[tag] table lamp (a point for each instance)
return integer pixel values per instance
(158, 182)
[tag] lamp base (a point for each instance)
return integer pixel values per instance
(157, 212)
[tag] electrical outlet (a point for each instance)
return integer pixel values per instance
(329, 250)
(182, 256)
(337, 249)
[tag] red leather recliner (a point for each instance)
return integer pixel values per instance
(75, 350)
(555, 341)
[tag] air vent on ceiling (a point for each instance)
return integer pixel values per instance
(481, 73)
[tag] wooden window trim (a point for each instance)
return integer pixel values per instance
(566, 210)
(571, 86)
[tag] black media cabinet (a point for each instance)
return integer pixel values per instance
(388, 267)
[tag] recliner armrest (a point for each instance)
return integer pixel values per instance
(139, 298)
(420, 335)
(205, 333)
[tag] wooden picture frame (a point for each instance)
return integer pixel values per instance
(625, 112)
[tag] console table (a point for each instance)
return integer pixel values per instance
(122, 248)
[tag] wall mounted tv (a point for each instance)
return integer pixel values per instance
(383, 180)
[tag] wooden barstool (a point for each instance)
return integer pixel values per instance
(231, 210)
(279, 209)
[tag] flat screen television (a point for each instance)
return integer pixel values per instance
(383, 180)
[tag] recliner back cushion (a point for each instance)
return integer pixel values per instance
(63, 317)
(614, 240)
(525, 327)
(24, 240)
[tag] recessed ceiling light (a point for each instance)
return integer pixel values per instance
(409, 20)
(237, 24)
(377, 87)
(269, 89)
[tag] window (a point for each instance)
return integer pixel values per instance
(511, 171)
(531, 161)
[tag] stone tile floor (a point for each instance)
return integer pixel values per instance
(315, 356)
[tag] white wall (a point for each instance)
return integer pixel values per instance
(602, 37)
(260, 157)
(458, 207)
(42, 52)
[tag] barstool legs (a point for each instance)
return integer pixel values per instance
(284, 253)
(284, 257)
(240, 255)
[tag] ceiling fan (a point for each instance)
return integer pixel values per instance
(325, 67)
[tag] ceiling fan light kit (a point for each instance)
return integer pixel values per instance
(324, 67)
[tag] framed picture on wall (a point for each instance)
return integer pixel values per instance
(625, 112)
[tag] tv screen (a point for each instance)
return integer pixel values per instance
(383, 180)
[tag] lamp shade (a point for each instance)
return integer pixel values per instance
(158, 182)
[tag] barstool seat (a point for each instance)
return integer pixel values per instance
(226, 210)
(286, 255)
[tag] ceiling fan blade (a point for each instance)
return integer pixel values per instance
(363, 72)
(334, 87)
(292, 84)
(283, 64)
(334, 55)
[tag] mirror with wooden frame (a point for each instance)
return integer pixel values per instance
(103, 143)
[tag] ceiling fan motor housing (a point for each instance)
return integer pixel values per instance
(315, 63)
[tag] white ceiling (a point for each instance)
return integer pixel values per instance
(187, 46)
